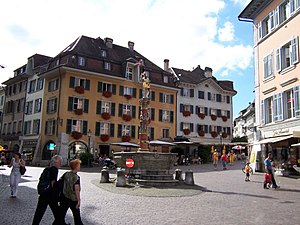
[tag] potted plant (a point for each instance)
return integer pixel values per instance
(201, 133)
(201, 115)
(126, 117)
(224, 135)
(78, 111)
(213, 117)
(104, 137)
(105, 115)
(224, 118)
(126, 138)
(76, 135)
(214, 134)
(107, 94)
(79, 89)
(127, 96)
(186, 131)
(186, 113)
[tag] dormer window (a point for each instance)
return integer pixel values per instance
(57, 62)
(166, 79)
(103, 53)
(107, 66)
(81, 61)
(129, 73)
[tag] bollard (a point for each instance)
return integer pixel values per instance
(178, 175)
(104, 175)
(189, 177)
(121, 181)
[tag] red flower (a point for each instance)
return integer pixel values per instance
(76, 135)
(224, 118)
(224, 135)
(214, 134)
(105, 116)
(78, 111)
(126, 138)
(186, 131)
(186, 113)
(104, 137)
(201, 133)
(213, 117)
(107, 94)
(201, 115)
(79, 89)
(126, 117)
(128, 97)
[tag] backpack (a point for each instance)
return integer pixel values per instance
(44, 185)
(58, 188)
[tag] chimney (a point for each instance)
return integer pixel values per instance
(208, 72)
(108, 42)
(166, 64)
(131, 45)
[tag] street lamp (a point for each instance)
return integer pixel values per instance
(220, 141)
(89, 143)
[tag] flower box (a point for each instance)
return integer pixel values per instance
(186, 113)
(78, 111)
(201, 133)
(79, 89)
(104, 137)
(214, 134)
(201, 115)
(186, 131)
(126, 117)
(107, 94)
(126, 138)
(105, 116)
(128, 97)
(76, 135)
(224, 135)
(213, 117)
(224, 118)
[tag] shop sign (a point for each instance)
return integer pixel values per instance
(280, 132)
(30, 143)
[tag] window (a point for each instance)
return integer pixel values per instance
(277, 109)
(77, 125)
(4, 129)
(51, 105)
(77, 103)
(128, 91)
(9, 128)
(50, 127)
(40, 83)
(53, 85)
(166, 98)
(166, 132)
(38, 105)
(284, 11)
(105, 107)
(2, 100)
(107, 66)
(20, 126)
(185, 92)
(126, 130)
(165, 116)
(267, 113)
(32, 84)
(104, 128)
(14, 127)
(36, 127)
(268, 66)
(129, 73)
(166, 79)
(297, 99)
(126, 109)
(186, 126)
(213, 112)
(106, 87)
(81, 61)
(27, 127)
(201, 94)
(103, 53)
(287, 55)
(28, 108)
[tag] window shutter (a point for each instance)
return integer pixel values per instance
(119, 130)
(54, 127)
(297, 100)
(218, 112)
(278, 59)
(152, 133)
(72, 82)
(56, 84)
(133, 131)
(87, 85)
(152, 114)
(262, 112)
(114, 89)
(134, 111)
(294, 55)
(172, 99)
(192, 127)
(160, 115)
(111, 130)
(113, 109)
(206, 111)
(206, 128)
(68, 127)
(47, 124)
(259, 30)
(228, 114)
(97, 129)
(181, 108)
(181, 91)
(120, 110)
(98, 107)
(192, 109)
(100, 87)
(121, 92)
(84, 127)
(161, 97)
(192, 93)
(70, 104)
(134, 92)
(228, 99)
(181, 126)
(140, 93)
(152, 95)
(171, 116)
(208, 96)
(86, 106)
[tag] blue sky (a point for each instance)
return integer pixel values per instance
(188, 33)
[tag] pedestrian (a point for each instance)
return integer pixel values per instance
(224, 159)
(48, 197)
(3, 159)
(269, 169)
(231, 158)
(71, 192)
(15, 175)
(215, 158)
(247, 170)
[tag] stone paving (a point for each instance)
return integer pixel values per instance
(219, 197)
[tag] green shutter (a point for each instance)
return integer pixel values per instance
(120, 110)
(119, 130)
(134, 92)
(133, 131)
(111, 130)
(72, 82)
(100, 87)
(171, 116)
(134, 111)
(98, 107)
(160, 115)
(69, 126)
(86, 106)
(121, 93)
(87, 85)
(114, 89)
(84, 127)
(113, 109)
(97, 130)
(70, 104)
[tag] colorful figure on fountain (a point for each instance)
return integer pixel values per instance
(146, 85)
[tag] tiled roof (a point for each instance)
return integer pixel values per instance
(40, 60)
(253, 9)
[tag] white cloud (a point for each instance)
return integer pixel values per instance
(242, 3)
(183, 31)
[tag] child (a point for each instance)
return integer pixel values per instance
(267, 180)
(247, 170)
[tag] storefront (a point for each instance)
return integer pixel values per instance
(29, 147)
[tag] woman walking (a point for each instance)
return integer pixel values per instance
(15, 175)
(71, 192)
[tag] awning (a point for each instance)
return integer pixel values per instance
(275, 139)
(295, 145)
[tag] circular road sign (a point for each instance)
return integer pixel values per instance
(129, 163)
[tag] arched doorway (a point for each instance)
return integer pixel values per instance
(75, 148)
(49, 150)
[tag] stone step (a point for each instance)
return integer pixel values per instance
(157, 177)
(157, 183)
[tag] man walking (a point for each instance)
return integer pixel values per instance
(48, 196)
(269, 170)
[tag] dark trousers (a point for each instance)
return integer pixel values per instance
(43, 202)
(274, 185)
(67, 203)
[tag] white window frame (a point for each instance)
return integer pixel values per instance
(126, 130)
(104, 128)
(129, 73)
(127, 109)
(268, 66)
(81, 61)
(277, 107)
(105, 107)
(166, 115)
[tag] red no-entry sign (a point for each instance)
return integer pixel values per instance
(129, 163)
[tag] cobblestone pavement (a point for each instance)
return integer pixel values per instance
(220, 197)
